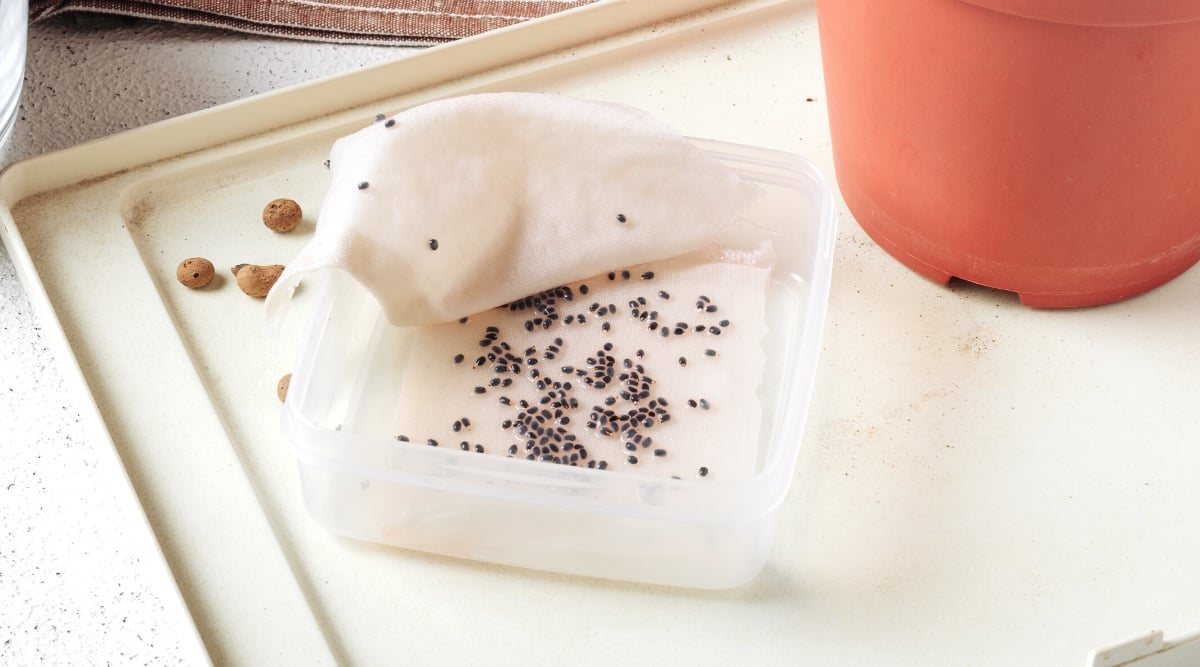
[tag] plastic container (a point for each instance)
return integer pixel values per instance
(1046, 147)
(359, 482)
(14, 17)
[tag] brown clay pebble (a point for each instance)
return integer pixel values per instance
(282, 387)
(282, 215)
(256, 280)
(195, 272)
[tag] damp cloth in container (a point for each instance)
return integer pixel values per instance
(456, 206)
(653, 370)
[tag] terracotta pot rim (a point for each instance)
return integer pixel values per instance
(1105, 13)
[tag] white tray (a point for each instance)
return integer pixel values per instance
(979, 484)
(182, 381)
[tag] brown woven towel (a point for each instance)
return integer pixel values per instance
(396, 22)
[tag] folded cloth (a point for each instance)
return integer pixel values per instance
(459, 205)
(387, 22)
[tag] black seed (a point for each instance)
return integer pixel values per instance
(457, 426)
(625, 275)
(691, 402)
(569, 319)
(608, 347)
(390, 123)
(703, 404)
(653, 326)
(679, 331)
(512, 449)
(649, 275)
(699, 328)
(660, 453)
(481, 361)
(402, 438)
(710, 309)
(620, 217)
(583, 289)
(631, 446)
(663, 295)
(379, 117)
(723, 323)
(458, 358)
(640, 353)
(478, 449)
(705, 299)
(703, 471)
(714, 331)
(431, 442)
(465, 446)
(480, 390)
(710, 353)
(664, 332)
(612, 275)
(683, 361)
(631, 459)
(363, 186)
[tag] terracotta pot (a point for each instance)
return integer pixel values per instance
(1047, 147)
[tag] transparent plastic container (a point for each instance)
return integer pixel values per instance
(14, 17)
(359, 482)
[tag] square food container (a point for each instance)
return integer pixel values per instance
(359, 482)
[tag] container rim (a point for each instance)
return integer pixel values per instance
(1099, 13)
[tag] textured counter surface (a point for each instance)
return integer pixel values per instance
(74, 577)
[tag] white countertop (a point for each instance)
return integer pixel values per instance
(978, 481)
(71, 573)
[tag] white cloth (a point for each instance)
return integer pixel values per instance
(518, 192)
(708, 381)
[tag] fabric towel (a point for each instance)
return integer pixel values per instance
(385, 22)
(459, 205)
